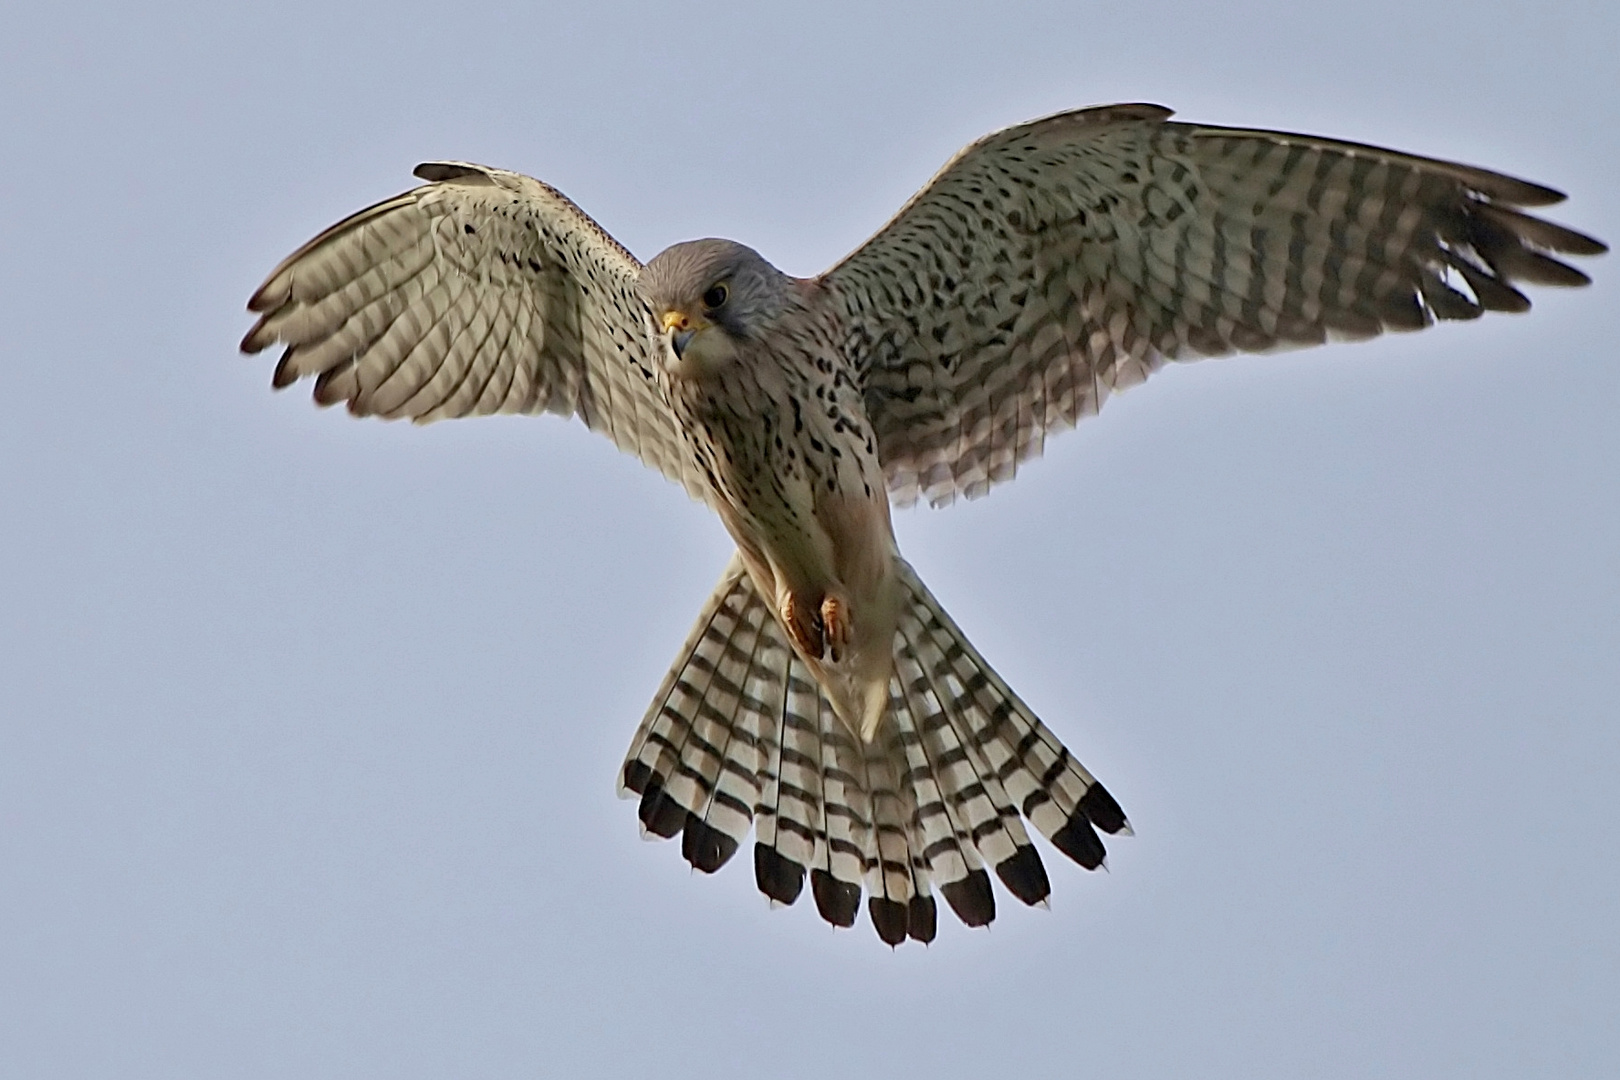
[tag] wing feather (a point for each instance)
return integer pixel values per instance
(479, 292)
(1052, 263)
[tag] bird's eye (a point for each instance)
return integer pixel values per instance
(716, 296)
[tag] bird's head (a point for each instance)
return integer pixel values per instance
(710, 298)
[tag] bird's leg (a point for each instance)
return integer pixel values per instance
(804, 625)
(834, 627)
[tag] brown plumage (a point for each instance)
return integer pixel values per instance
(824, 699)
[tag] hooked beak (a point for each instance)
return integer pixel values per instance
(678, 341)
(678, 325)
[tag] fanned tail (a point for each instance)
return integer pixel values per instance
(739, 735)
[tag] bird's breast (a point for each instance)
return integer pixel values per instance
(784, 443)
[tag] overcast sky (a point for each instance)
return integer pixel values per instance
(309, 726)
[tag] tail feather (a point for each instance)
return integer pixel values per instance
(949, 811)
(737, 784)
(839, 859)
(788, 817)
(942, 851)
(680, 752)
(889, 871)
(971, 782)
(1047, 784)
(740, 735)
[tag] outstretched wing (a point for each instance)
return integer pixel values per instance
(480, 292)
(1052, 262)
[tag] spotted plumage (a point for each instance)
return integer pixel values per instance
(824, 700)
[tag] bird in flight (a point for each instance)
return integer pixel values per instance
(824, 698)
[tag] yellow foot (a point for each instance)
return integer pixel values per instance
(803, 623)
(834, 627)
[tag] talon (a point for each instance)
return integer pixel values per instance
(804, 625)
(834, 627)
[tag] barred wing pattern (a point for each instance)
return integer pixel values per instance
(482, 291)
(1053, 262)
(740, 735)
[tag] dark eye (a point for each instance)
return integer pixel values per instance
(716, 296)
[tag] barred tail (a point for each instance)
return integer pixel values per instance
(739, 734)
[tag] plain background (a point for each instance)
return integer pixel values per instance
(309, 726)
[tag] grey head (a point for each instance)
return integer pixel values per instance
(720, 284)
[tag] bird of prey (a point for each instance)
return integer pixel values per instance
(824, 699)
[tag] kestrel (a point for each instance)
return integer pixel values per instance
(824, 698)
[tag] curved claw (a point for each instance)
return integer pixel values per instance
(834, 628)
(804, 625)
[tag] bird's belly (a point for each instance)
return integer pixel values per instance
(801, 491)
(828, 562)
(777, 524)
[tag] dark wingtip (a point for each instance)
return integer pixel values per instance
(1507, 242)
(836, 900)
(284, 375)
(1128, 110)
(1101, 809)
(250, 343)
(438, 171)
(890, 918)
(1538, 269)
(323, 393)
(972, 899)
(1499, 296)
(922, 920)
(1025, 875)
(1516, 192)
(1539, 232)
(777, 876)
(261, 300)
(704, 846)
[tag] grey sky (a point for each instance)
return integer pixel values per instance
(309, 726)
